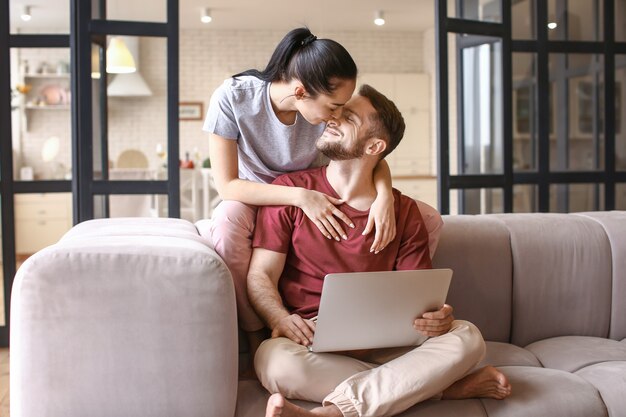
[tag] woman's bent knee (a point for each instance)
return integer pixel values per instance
(232, 227)
(230, 213)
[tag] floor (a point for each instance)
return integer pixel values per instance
(4, 382)
(2, 323)
(19, 262)
(4, 358)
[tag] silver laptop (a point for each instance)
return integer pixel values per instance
(366, 310)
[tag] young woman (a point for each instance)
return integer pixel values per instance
(265, 123)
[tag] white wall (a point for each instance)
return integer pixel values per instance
(207, 57)
(430, 68)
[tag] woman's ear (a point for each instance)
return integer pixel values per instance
(299, 91)
(375, 146)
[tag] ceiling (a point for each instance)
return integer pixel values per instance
(319, 15)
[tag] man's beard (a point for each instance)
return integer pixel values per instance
(336, 152)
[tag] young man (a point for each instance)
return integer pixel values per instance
(291, 258)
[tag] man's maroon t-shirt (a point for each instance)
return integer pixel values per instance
(310, 256)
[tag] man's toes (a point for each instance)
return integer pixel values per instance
(501, 378)
(275, 406)
(503, 392)
(276, 400)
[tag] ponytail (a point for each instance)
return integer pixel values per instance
(316, 63)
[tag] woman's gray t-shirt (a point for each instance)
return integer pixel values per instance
(241, 110)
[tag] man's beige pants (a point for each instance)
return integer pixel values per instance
(385, 383)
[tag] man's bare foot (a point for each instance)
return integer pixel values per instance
(277, 406)
(486, 382)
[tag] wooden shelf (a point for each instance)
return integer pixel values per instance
(413, 177)
(48, 107)
(553, 138)
(64, 75)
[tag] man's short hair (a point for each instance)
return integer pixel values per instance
(387, 122)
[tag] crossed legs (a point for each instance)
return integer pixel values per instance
(486, 382)
(370, 388)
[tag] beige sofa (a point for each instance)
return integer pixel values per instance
(136, 317)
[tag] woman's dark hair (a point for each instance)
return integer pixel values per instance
(314, 62)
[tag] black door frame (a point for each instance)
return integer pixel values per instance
(85, 188)
(542, 47)
(10, 187)
(82, 185)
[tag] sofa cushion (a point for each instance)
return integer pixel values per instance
(482, 274)
(536, 392)
(436, 408)
(562, 277)
(204, 230)
(135, 226)
(614, 223)
(506, 354)
(546, 392)
(571, 353)
(610, 379)
(252, 399)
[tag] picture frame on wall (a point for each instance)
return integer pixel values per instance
(584, 115)
(190, 110)
(524, 108)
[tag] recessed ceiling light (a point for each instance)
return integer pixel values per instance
(379, 18)
(26, 16)
(206, 15)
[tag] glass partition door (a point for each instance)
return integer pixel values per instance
(538, 105)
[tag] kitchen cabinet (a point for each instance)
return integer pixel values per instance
(418, 187)
(40, 220)
(410, 162)
(198, 195)
(410, 93)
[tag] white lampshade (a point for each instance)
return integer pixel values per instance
(119, 58)
(128, 85)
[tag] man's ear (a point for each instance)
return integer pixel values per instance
(375, 146)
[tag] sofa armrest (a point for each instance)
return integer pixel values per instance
(117, 322)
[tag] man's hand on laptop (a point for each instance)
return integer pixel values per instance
(295, 328)
(435, 323)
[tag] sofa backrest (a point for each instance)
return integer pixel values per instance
(477, 248)
(526, 277)
(614, 224)
(561, 277)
